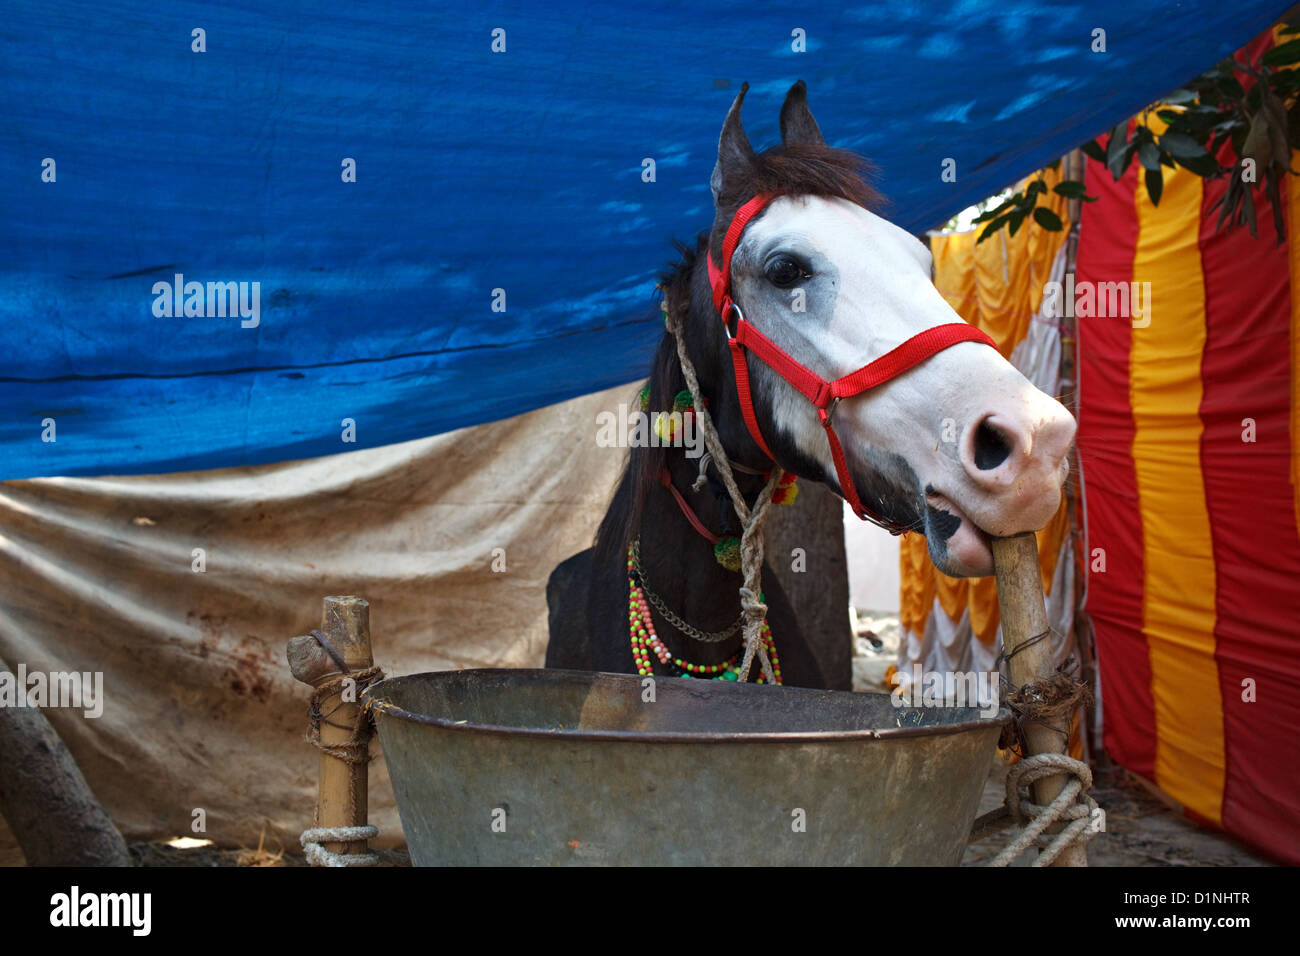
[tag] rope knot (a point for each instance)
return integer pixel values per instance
(1083, 817)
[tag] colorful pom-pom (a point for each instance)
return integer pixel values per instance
(787, 490)
(666, 427)
(727, 553)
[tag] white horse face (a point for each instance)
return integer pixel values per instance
(963, 442)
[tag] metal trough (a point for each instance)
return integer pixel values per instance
(579, 770)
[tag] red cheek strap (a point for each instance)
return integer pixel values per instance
(822, 394)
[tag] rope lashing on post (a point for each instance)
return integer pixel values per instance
(1073, 804)
(1051, 702)
(354, 750)
(751, 519)
(317, 855)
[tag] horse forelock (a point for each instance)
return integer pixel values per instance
(798, 170)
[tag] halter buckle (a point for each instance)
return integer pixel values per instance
(825, 413)
(727, 307)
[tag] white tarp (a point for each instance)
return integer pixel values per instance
(200, 712)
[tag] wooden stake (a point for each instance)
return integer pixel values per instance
(341, 798)
(1024, 615)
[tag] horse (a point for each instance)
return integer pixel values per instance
(935, 432)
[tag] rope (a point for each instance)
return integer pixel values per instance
(751, 520)
(1072, 804)
(317, 855)
(703, 477)
(354, 751)
(1050, 701)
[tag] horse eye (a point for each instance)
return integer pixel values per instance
(784, 272)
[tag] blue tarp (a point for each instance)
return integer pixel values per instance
(475, 171)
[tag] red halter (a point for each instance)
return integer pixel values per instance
(823, 394)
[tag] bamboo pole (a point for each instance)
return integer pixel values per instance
(1024, 615)
(341, 799)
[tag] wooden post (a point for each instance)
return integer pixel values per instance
(1020, 600)
(342, 798)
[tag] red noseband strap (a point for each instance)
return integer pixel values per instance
(824, 395)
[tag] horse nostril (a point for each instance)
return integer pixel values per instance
(992, 446)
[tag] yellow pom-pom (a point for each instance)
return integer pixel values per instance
(665, 428)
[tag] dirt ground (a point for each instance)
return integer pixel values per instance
(1142, 829)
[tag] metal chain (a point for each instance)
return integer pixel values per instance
(706, 637)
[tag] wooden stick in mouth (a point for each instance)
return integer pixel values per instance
(1024, 618)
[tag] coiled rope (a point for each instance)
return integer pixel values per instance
(1085, 818)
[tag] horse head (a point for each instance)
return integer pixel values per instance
(960, 446)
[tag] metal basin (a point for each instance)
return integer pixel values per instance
(508, 767)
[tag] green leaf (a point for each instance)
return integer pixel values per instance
(1149, 156)
(1070, 189)
(991, 228)
(1231, 88)
(1253, 99)
(1283, 55)
(1248, 211)
(1014, 221)
(1093, 150)
(1048, 219)
(1120, 163)
(1004, 207)
(1118, 140)
(1179, 97)
(1203, 166)
(1284, 81)
(1155, 184)
(1190, 121)
(1181, 146)
(1238, 138)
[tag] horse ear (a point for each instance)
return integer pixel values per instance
(798, 128)
(735, 155)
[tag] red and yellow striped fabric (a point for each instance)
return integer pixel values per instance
(1189, 443)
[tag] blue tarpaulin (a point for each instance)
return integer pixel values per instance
(476, 170)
